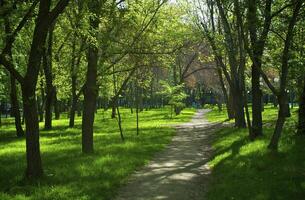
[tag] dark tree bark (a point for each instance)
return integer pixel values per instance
(90, 90)
(120, 124)
(230, 106)
(34, 165)
(47, 67)
(15, 108)
(73, 86)
(239, 114)
(235, 69)
(257, 50)
(72, 111)
(41, 102)
(137, 107)
(282, 114)
(56, 105)
(301, 113)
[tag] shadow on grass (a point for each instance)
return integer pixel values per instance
(71, 175)
(247, 170)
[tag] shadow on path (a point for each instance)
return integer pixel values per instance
(178, 172)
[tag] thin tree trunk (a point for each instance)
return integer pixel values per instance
(47, 66)
(72, 111)
(41, 102)
(225, 94)
(73, 83)
(282, 114)
(120, 124)
(301, 113)
(56, 105)
(137, 107)
(15, 111)
(15, 108)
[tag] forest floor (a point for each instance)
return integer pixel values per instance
(181, 170)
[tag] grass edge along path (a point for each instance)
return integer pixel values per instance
(242, 169)
(71, 175)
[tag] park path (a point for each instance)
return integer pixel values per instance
(179, 172)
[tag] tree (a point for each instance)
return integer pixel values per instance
(281, 94)
(90, 90)
(175, 96)
(28, 82)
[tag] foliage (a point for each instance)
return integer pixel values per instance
(174, 95)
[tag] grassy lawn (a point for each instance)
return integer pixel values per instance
(247, 170)
(72, 175)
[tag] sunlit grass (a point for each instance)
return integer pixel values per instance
(71, 175)
(242, 169)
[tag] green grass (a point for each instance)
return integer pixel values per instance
(242, 169)
(216, 115)
(71, 175)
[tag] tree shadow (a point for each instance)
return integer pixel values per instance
(247, 170)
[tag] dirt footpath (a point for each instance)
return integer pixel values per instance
(179, 172)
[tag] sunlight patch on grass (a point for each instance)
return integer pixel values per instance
(244, 169)
(71, 175)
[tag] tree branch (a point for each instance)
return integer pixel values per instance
(11, 68)
(57, 10)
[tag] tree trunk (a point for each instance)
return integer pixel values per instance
(230, 113)
(239, 108)
(120, 124)
(72, 111)
(15, 112)
(282, 114)
(34, 165)
(15, 108)
(230, 108)
(301, 113)
(47, 66)
(113, 110)
(257, 123)
(73, 102)
(43, 21)
(41, 102)
(79, 108)
(56, 105)
(137, 107)
(90, 91)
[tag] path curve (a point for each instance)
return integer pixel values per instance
(179, 172)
